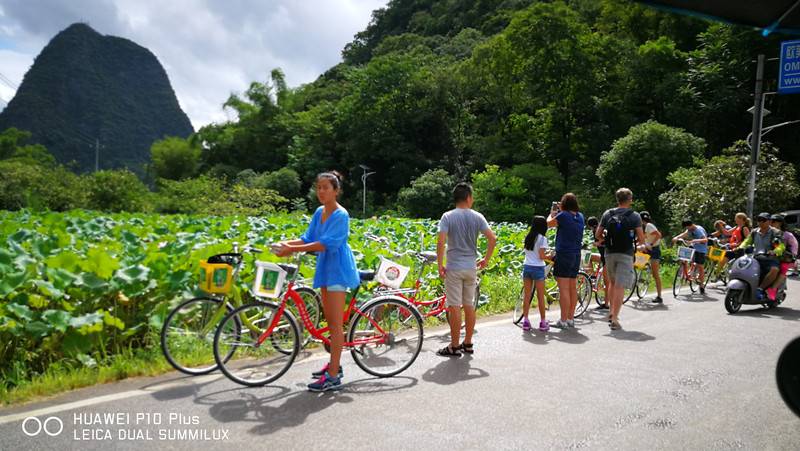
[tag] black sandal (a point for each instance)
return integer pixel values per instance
(467, 347)
(448, 351)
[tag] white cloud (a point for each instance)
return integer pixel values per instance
(209, 48)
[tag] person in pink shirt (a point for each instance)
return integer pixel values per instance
(790, 241)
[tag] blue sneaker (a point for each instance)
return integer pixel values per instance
(326, 383)
(317, 374)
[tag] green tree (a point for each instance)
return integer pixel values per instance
(174, 158)
(429, 195)
(284, 181)
(501, 196)
(717, 188)
(644, 158)
(115, 191)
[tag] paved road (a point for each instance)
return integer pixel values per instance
(684, 375)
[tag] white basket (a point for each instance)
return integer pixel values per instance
(586, 258)
(269, 280)
(686, 254)
(391, 274)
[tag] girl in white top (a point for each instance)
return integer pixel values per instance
(533, 272)
(652, 246)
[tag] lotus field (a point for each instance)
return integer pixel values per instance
(81, 286)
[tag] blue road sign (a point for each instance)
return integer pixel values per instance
(789, 79)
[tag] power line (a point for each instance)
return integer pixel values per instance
(8, 82)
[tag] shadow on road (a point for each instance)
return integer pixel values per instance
(453, 370)
(646, 306)
(571, 336)
(777, 312)
(629, 335)
(283, 407)
(696, 297)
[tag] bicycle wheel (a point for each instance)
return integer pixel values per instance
(677, 284)
(600, 288)
(628, 293)
(693, 279)
(255, 363)
(313, 303)
(385, 336)
(643, 281)
(517, 314)
(187, 337)
(584, 286)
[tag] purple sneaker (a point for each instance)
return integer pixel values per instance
(544, 325)
(526, 324)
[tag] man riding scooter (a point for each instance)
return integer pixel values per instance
(769, 247)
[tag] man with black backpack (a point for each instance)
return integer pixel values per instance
(624, 230)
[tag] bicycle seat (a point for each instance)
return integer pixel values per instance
(232, 259)
(290, 269)
(428, 256)
(366, 276)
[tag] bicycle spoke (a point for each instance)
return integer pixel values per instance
(382, 342)
(257, 357)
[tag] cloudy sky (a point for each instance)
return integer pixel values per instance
(209, 48)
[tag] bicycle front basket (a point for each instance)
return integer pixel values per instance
(685, 254)
(269, 280)
(641, 260)
(716, 254)
(215, 278)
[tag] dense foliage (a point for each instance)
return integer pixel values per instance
(539, 90)
(527, 99)
(79, 286)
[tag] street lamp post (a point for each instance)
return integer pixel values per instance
(755, 146)
(364, 188)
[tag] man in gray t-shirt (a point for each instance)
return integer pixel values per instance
(458, 231)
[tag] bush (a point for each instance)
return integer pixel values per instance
(24, 185)
(285, 181)
(429, 195)
(209, 196)
(717, 188)
(174, 158)
(116, 191)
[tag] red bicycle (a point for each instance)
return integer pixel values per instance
(257, 343)
(436, 307)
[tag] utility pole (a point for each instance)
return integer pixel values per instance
(96, 154)
(364, 188)
(755, 146)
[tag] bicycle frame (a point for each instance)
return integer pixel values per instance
(319, 334)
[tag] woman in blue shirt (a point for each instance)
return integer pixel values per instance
(336, 269)
(566, 216)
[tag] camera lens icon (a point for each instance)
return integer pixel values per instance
(33, 426)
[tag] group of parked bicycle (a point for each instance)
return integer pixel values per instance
(255, 343)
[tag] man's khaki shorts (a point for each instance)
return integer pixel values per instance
(619, 268)
(460, 286)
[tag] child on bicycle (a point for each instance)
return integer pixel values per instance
(533, 272)
(698, 239)
(335, 273)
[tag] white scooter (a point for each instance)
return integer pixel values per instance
(743, 281)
